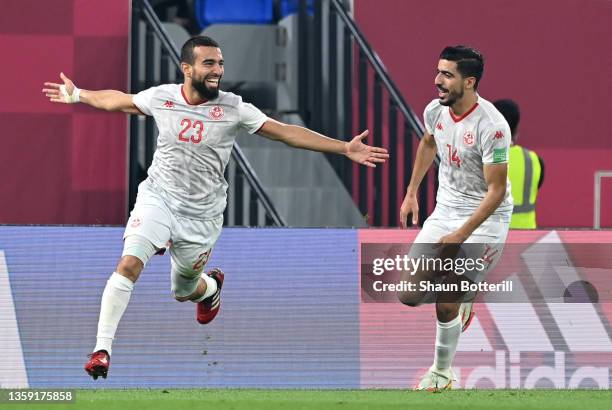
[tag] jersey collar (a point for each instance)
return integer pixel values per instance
(468, 112)
(187, 100)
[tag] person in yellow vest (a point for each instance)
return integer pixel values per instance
(525, 171)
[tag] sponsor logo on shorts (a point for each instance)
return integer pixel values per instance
(201, 260)
(489, 255)
(136, 222)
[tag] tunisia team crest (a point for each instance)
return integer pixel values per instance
(216, 112)
(468, 138)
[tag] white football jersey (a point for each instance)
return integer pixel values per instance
(480, 136)
(194, 146)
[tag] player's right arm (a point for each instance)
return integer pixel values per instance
(108, 100)
(424, 158)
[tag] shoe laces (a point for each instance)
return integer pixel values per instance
(436, 377)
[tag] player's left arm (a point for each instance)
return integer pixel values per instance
(496, 176)
(300, 137)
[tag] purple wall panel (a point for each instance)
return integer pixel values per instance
(62, 164)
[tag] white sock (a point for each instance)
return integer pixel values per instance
(115, 299)
(211, 287)
(447, 338)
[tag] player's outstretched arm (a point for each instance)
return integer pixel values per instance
(109, 100)
(424, 158)
(300, 137)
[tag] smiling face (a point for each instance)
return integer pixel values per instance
(206, 71)
(450, 83)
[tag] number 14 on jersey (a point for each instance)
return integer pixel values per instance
(452, 156)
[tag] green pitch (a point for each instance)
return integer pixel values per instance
(221, 399)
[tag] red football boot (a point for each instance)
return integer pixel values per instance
(207, 309)
(98, 364)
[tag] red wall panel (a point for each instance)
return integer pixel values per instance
(548, 55)
(62, 164)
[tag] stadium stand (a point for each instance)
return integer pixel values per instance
(234, 12)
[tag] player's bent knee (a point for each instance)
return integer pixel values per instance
(413, 296)
(410, 298)
(182, 298)
(447, 311)
(130, 267)
(185, 283)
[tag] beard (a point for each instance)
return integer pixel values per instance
(202, 89)
(451, 98)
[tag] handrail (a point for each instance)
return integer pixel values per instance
(365, 98)
(379, 68)
(237, 153)
(381, 71)
(599, 175)
(161, 32)
(251, 177)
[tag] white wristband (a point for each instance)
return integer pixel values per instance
(74, 97)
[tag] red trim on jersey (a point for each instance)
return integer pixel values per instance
(260, 127)
(187, 100)
(468, 112)
(139, 110)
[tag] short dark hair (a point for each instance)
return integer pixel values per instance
(470, 63)
(510, 110)
(187, 55)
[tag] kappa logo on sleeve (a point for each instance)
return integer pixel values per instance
(500, 155)
(499, 135)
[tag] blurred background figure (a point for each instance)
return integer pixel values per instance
(526, 171)
(180, 12)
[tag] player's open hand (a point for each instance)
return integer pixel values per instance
(449, 245)
(61, 93)
(410, 205)
(452, 238)
(364, 154)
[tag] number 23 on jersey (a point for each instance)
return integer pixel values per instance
(194, 137)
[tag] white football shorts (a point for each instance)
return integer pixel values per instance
(190, 240)
(486, 242)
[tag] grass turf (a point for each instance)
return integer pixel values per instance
(238, 399)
